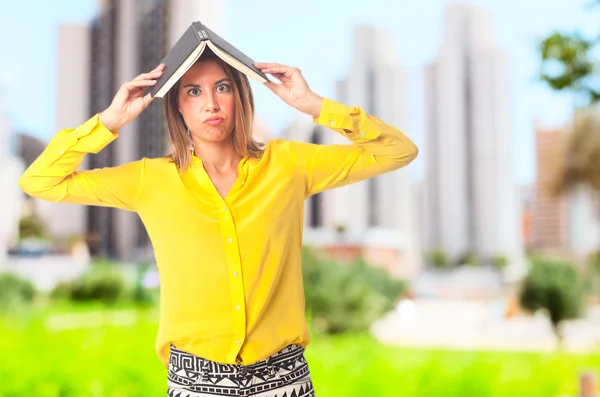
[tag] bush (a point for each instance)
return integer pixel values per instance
(346, 298)
(15, 291)
(469, 259)
(500, 261)
(102, 283)
(439, 259)
(31, 227)
(556, 287)
(61, 291)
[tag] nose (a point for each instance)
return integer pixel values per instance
(211, 105)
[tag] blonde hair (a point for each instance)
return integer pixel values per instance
(242, 138)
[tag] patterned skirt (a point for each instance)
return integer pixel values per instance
(284, 374)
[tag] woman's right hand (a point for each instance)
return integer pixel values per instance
(130, 101)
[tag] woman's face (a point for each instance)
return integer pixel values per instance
(206, 102)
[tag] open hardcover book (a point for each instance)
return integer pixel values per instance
(188, 49)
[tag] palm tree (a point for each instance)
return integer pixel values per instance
(581, 163)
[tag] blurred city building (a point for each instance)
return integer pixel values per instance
(128, 37)
(374, 219)
(565, 224)
(471, 195)
(11, 199)
(549, 215)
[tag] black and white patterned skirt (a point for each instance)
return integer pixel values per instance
(284, 374)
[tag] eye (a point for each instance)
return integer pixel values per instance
(223, 88)
(194, 92)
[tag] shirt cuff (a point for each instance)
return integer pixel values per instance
(350, 121)
(91, 137)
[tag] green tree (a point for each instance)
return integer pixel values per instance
(344, 297)
(569, 63)
(555, 287)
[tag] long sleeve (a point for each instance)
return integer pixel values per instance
(53, 175)
(375, 148)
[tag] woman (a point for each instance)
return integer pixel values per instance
(224, 216)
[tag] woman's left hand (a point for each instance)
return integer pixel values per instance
(293, 89)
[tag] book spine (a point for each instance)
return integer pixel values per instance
(201, 32)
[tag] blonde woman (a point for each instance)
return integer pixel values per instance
(224, 214)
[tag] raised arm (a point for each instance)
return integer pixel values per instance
(53, 176)
(376, 146)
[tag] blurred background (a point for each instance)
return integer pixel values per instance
(474, 271)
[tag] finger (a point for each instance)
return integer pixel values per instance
(146, 76)
(142, 83)
(280, 76)
(284, 70)
(270, 85)
(157, 70)
(261, 65)
(134, 85)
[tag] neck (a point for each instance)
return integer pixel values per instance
(217, 156)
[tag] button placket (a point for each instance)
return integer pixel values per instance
(233, 262)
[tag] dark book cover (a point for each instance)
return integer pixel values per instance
(231, 50)
(187, 44)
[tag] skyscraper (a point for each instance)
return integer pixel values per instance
(471, 195)
(63, 221)
(130, 37)
(11, 168)
(549, 221)
(375, 217)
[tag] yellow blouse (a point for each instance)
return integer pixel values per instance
(230, 269)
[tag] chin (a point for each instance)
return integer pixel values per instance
(218, 137)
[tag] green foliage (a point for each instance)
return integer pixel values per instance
(346, 298)
(555, 287)
(15, 292)
(500, 261)
(469, 259)
(31, 227)
(61, 291)
(567, 64)
(119, 361)
(439, 259)
(101, 283)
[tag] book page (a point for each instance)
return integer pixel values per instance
(235, 63)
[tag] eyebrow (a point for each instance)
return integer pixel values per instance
(216, 82)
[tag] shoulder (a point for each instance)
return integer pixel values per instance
(158, 161)
(287, 146)
(158, 164)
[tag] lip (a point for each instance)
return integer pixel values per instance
(213, 121)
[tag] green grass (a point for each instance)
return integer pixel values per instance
(360, 366)
(119, 361)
